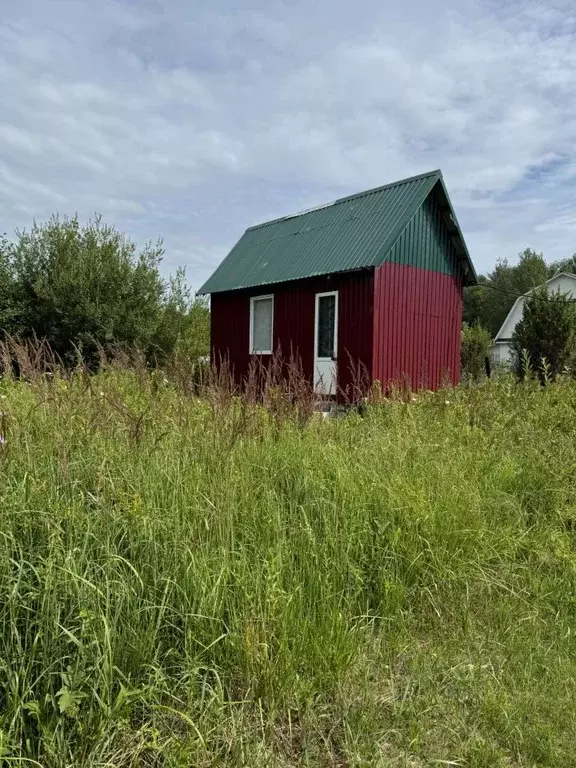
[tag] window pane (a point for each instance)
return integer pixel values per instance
(326, 317)
(262, 327)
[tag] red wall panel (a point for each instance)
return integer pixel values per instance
(417, 326)
(294, 307)
(403, 323)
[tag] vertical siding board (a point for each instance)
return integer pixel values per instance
(422, 344)
(407, 315)
(437, 232)
(229, 339)
(394, 297)
(423, 244)
(383, 320)
(411, 310)
(376, 372)
(386, 354)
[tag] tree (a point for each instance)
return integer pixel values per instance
(476, 345)
(194, 341)
(489, 302)
(7, 308)
(80, 286)
(184, 326)
(562, 265)
(546, 334)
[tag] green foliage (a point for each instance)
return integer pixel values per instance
(87, 288)
(7, 309)
(188, 582)
(476, 346)
(489, 302)
(83, 286)
(563, 265)
(183, 331)
(545, 337)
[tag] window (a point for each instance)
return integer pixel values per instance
(261, 322)
(326, 322)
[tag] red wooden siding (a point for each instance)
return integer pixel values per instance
(230, 329)
(417, 326)
(294, 307)
(401, 322)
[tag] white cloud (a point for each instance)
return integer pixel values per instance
(190, 123)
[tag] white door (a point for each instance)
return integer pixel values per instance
(326, 343)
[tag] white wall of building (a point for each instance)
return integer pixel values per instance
(501, 352)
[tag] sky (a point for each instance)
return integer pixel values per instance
(193, 120)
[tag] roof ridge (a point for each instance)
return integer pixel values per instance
(354, 232)
(541, 285)
(345, 199)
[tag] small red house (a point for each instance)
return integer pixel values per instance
(373, 279)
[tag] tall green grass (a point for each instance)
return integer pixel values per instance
(200, 582)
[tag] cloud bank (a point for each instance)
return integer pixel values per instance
(193, 121)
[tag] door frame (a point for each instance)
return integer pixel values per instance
(334, 358)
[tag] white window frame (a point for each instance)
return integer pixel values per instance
(317, 305)
(253, 300)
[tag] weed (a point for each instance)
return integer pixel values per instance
(193, 577)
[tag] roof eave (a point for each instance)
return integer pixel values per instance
(470, 276)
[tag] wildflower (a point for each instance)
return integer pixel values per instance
(2, 440)
(2, 397)
(446, 402)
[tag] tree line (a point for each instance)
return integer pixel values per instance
(87, 289)
(488, 303)
(544, 341)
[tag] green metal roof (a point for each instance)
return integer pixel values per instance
(354, 232)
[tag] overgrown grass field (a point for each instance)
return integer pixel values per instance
(202, 582)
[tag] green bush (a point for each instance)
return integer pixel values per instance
(87, 289)
(545, 337)
(476, 347)
(183, 331)
(78, 287)
(7, 308)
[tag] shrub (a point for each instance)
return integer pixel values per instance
(545, 336)
(84, 290)
(6, 287)
(82, 286)
(476, 343)
(183, 331)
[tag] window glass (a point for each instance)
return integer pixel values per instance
(262, 325)
(326, 313)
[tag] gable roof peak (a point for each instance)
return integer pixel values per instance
(348, 198)
(353, 232)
